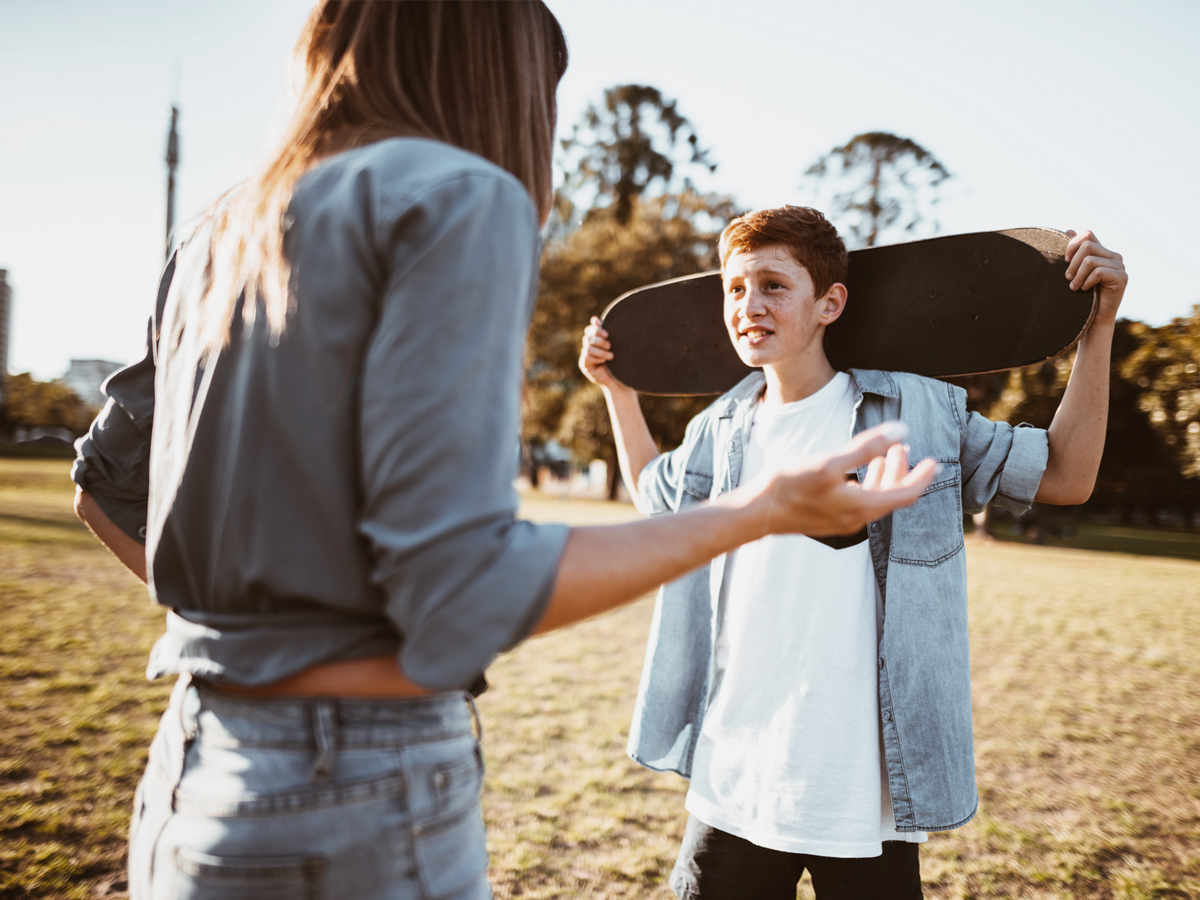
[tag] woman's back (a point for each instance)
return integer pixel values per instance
(302, 485)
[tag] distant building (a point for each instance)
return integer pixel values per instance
(85, 376)
(5, 303)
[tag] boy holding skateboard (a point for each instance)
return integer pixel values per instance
(816, 691)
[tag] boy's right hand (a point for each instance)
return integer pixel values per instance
(594, 356)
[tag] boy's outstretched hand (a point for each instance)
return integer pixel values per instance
(1090, 264)
(816, 498)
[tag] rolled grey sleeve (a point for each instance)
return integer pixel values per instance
(439, 426)
(112, 461)
(1000, 463)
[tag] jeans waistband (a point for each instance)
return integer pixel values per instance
(320, 722)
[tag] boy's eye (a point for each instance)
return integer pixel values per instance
(774, 285)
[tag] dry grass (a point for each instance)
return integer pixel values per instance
(1086, 678)
(76, 713)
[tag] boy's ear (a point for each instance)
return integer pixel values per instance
(833, 303)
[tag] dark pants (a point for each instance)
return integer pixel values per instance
(713, 865)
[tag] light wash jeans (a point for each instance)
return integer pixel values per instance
(307, 799)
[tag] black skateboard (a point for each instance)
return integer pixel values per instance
(956, 305)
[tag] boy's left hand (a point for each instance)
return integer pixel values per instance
(1090, 264)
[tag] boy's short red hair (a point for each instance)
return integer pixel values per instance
(805, 233)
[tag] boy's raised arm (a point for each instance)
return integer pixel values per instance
(635, 447)
(1077, 432)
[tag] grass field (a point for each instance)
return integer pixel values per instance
(1086, 678)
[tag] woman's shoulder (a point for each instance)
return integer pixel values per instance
(400, 168)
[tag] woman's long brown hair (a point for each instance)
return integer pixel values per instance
(480, 75)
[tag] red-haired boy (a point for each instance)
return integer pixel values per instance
(815, 691)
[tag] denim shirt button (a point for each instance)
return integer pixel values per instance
(887, 715)
(881, 662)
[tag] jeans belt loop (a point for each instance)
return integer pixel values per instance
(478, 723)
(324, 714)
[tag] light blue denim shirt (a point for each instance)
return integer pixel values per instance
(924, 654)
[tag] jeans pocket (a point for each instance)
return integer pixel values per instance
(205, 877)
(451, 845)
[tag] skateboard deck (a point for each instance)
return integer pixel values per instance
(956, 305)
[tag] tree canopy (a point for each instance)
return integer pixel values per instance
(48, 404)
(633, 139)
(881, 181)
(665, 237)
(626, 216)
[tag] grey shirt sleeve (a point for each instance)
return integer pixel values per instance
(999, 462)
(112, 460)
(439, 429)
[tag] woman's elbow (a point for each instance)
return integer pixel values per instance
(81, 504)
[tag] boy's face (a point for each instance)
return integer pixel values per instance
(771, 309)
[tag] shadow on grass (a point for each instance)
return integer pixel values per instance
(1119, 539)
(57, 522)
(17, 528)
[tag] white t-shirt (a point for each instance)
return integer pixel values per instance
(789, 756)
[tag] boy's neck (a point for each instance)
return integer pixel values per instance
(787, 384)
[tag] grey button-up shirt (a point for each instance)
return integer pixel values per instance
(917, 553)
(346, 489)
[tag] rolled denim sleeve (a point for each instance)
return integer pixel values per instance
(439, 426)
(112, 461)
(1000, 463)
(660, 484)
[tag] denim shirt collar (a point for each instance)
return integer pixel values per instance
(737, 402)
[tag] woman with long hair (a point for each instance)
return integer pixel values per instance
(312, 469)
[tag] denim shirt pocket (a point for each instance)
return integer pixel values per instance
(931, 531)
(697, 487)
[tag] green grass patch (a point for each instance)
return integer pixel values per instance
(1086, 671)
(1122, 539)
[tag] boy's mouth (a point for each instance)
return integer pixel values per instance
(754, 335)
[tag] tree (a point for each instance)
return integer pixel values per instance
(881, 180)
(665, 236)
(625, 145)
(641, 223)
(1142, 468)
(47, 404)
(1166, 368)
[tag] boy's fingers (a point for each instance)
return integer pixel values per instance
(1105, 275)
(1111, 267)
(1076, 240)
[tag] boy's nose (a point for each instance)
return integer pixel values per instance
(753, 305)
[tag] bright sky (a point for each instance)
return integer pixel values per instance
(1060, 113)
